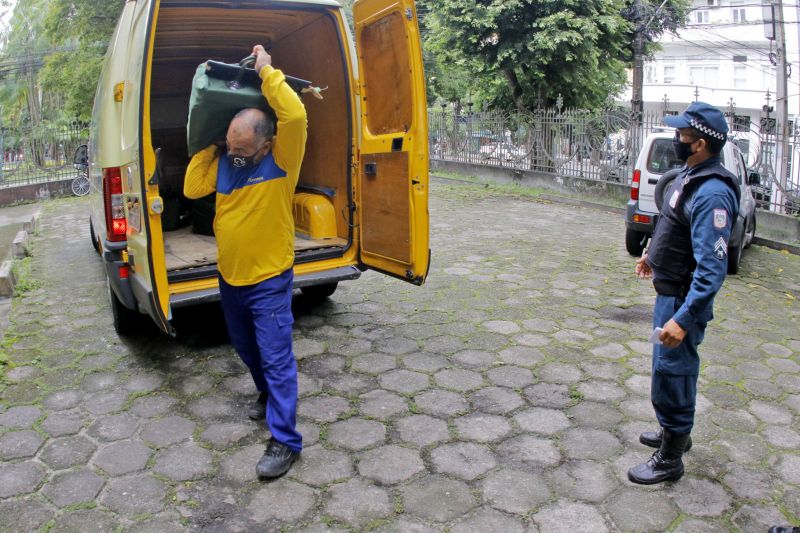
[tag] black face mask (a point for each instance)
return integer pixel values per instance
(243, 161)
(682, 150)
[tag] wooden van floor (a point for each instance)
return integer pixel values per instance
(184, 249)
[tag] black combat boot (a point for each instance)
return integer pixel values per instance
(653, 439)
(665, 464)
(276, 460)
(784, 529)
(258, 409)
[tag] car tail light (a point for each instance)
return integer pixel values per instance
(644, 219)
(124, 272)
(637, 178)
(116, 225)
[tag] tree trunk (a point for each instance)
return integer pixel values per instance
(516, 89)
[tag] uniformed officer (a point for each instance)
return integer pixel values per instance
(688, 260)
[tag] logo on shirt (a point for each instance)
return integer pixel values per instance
(720, 249)
(253, 180)
(720, 218)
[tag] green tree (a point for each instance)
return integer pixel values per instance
(525, 53)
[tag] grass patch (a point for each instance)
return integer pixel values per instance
(26, 282)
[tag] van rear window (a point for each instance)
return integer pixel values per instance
(662, 157)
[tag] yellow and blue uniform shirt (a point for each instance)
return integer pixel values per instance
(254, 225)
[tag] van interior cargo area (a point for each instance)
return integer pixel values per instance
(299, 41)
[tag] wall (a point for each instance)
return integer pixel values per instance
(35, 192)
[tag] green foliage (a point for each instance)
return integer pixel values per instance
(522, 54)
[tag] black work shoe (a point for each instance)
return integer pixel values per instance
(276, 460)
(664, 465)
(784, 529)
(258, 409)
(653, 439)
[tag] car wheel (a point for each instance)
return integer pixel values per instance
(735, 255)
(126, 322)
(317, 293)
(751, 235)
(93, 237)
(633, 242)
(661, 186)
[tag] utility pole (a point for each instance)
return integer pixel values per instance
(781, 108)
(637, 104)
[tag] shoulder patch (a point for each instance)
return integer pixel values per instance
(720, 218)
(720, 249)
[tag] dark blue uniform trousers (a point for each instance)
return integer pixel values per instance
(673, 389)
(259, 319)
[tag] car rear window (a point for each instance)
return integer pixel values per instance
(662, 157)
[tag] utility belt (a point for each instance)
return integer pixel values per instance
(672, 288)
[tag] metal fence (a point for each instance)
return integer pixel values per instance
(41, 154)
(598, 145)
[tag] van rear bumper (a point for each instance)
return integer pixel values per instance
(345, 273)
(632, 209)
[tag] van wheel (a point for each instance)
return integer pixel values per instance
(93, 236)
(735, 256)
(318, 293)
(633, 242)
(126, 322)
(751, 235)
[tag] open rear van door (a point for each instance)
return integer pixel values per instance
(393, 170)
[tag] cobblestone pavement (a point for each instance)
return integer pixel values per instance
(505, 395)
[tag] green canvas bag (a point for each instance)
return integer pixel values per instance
(219, 91)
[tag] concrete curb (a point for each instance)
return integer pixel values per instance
(759, 241)
(20, 248)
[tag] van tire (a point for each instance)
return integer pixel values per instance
(735, 255)
(633, 242)
(126, 322)
(318, 293)
(751, 235)
(661, 186)
(93, 237)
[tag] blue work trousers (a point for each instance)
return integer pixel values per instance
(259, 319)
(673, 389)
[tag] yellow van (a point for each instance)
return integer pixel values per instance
(362, 199)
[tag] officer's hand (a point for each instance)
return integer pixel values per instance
(262, 57)
(643, 270)
(672, 335)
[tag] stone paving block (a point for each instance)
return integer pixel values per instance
(382, 405)
(465, 460)
(225, 435)
(374, 364)
(134, 495)
(144, 382)
(240, 466)
(692, 525)
(65, 452)
(323, 408)
(513, 377)
(567, 516)
(496, 400)
(542, 421)
(789, 469)
(318, 466)
(592, 444)
(105, 402)
(184, 462)
(437, 498)
(530, 450)
(515, 491)
(406, 525)
(441, 403)
(560, 373)
(76, 486)
(481, 427)
(282, 501)
(422, 430)
(741, 448)
(389, 465)
(404, 381)
(635, 510)
(19, 478)
(584, 480)
(22, 417)
(19, 444)
(168, 431)
(425, 362)
(749, 483)
(22, 373)
(114, 427)
(97, 381)
(757, 518)
(350, 383)
(357, 503)
(473, 359)
(525, 356)
(770, 413)
(122, 457)
(601, 391)
(214, 407)
(85, 521)
(701, 497)
(548, 395)
(153, 405)
(356, 434)
(489, 520)
(194, 385)
(458, 379)
(24, 514)
(395, 345)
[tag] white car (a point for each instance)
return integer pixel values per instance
(502, 151)
(652, 175)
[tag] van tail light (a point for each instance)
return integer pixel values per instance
(637, 178)
(116, 225)
(642, 219)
